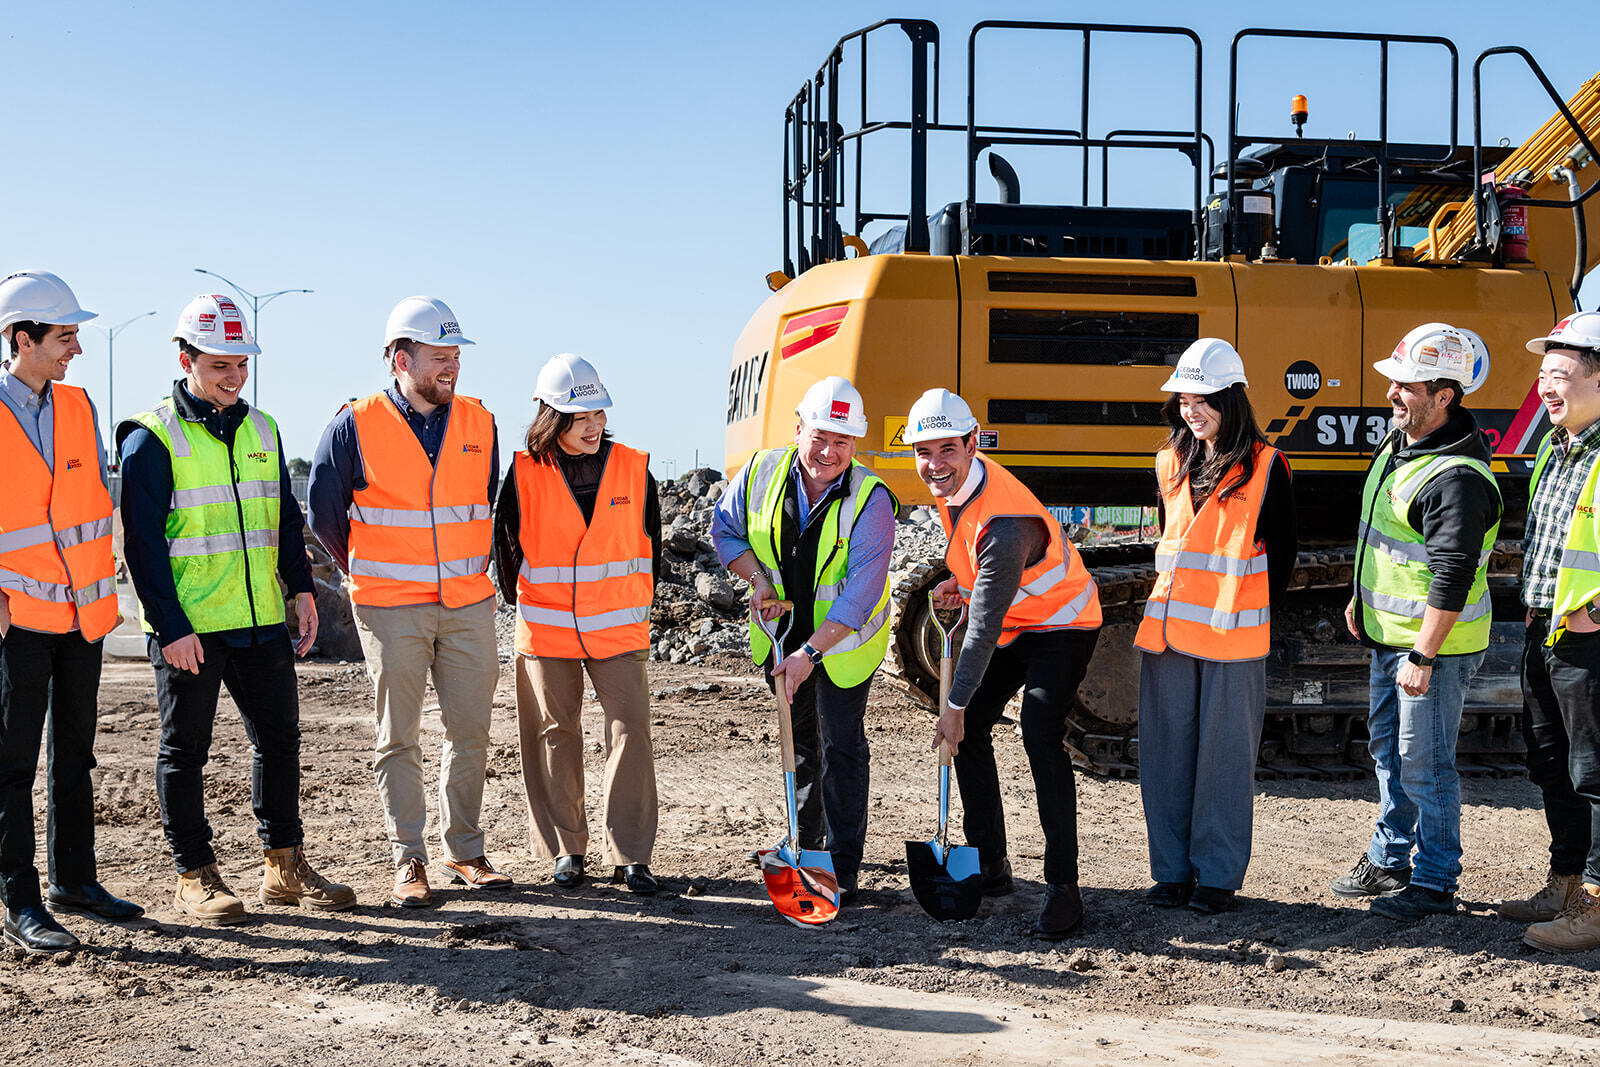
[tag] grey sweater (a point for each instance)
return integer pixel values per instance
(1009, 545)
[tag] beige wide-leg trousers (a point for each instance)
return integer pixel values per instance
(549, 699)
(402, 645)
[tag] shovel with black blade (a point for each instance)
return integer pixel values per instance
(947, 881)
(801, 882)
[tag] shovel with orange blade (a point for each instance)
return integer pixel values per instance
(801, 882)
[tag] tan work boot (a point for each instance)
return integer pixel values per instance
(1560, 892)
(291, 880)
(203, 895)
(1574, 930)
(411, 885)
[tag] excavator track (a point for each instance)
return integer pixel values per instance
(1316, 674)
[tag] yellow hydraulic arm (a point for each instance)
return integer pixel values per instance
(1551, 239)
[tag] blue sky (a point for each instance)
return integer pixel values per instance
(591, 178)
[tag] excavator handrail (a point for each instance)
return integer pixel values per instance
(976, 141)
(1477, 132)
(1236, 140)
(813, 143)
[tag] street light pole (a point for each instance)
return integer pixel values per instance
(256, 304)
(111, 374)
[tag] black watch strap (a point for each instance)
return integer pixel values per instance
(1419, 659)
(811, 653)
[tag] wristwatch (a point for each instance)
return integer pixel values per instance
(811, 654)
(1592, 609)
(1419, 659)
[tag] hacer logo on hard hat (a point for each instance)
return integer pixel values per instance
(840, 410)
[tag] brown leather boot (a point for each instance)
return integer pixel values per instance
(291, 880)
(203, 895)
(1575, 930)
(1560, 892)
(411, 885)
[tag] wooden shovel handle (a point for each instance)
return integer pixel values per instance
(785, 727)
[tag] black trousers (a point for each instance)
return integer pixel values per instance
(831, 778)
(1047, 666)
(54, 679)
(261, 680)
(1561, 727)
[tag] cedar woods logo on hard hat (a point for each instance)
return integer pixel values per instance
(935, 422)
(448, 329)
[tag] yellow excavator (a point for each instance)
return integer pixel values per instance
(1058, 324)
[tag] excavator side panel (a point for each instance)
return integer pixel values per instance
(886, 322)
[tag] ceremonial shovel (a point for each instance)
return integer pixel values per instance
(801, 882)
(947, 882)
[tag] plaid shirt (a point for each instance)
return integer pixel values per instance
(1550, 512)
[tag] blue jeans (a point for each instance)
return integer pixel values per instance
(1413, 744)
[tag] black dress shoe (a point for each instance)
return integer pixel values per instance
(1209, 900)
(569, 872)
(1062, 913)
(996, 877)
(92, 897)
(1169, 894)
(638, 879)
(34, 930)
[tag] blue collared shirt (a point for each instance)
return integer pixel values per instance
(871, 543)
(30, 409)
(337, 471)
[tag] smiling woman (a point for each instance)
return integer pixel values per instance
(1227, 548)
(577, 547)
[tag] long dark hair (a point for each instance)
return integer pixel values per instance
(549, 424)
(1235, 446)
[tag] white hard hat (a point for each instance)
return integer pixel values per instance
(938, 413)
(569, 384)
(1575, 331)
(38, 296)
(1208, 366)
(833, 404)
(425, 319)
(1437, 350)
(214, 324)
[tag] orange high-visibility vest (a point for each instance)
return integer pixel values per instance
(1056, 592)
(55, 525)
(421, 533)
(1210, 596)
(584, 591)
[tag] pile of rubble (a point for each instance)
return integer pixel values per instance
(700, 609)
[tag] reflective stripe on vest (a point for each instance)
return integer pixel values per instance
(1578, 575)
(854, 658)
(55, 524)
(421, 532)
(1392, 573)
(222, 525)
(1056, 592)
(584, 589)
(1210, 596)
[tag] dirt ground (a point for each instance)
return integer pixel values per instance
(707, 973)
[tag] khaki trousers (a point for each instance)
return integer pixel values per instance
(402, 645)
(549, 699)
